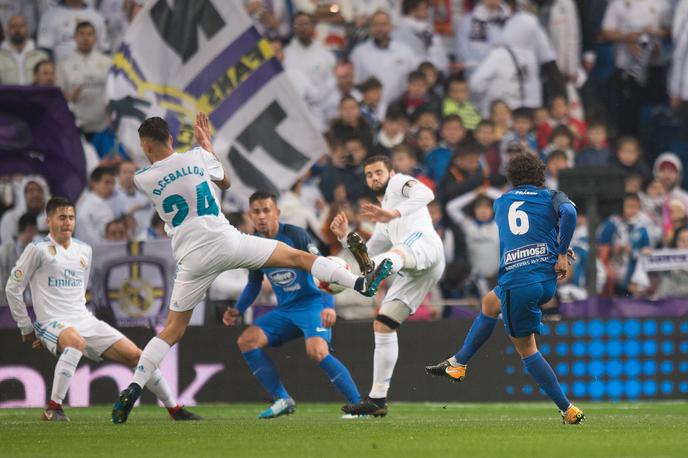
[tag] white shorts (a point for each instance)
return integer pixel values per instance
(99, 335)
(198, 269)
(411, 286)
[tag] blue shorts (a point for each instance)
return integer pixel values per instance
(521, 306)
(282, 325)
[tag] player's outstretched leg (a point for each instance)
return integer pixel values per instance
(151, 357)
(326, 270)
(454, 368)
(536, 365)
(251, 343)
(72, 345)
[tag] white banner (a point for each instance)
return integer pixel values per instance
(664, 259)
(182, 57)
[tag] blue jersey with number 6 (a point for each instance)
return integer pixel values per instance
(528, 222)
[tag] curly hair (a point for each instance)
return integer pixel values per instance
(526, 169)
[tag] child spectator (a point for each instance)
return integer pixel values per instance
(392, 132)
(351, 124)
(464, 173)
(559, 116)
(522, 131)
(561, 140)
(500, 114)
(628, 158)
(404, 160)
(426, 139)
(432, 77)
(371, 94)
(620, 239)
(437, 161)
(596, 153)
(676, 220)
(457, 102)
(416, 96)
(556, 162)
(485, 137)
(481, 233)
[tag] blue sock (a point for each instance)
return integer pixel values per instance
(543, 374)
(480, 331)
(341, 378)
(265, 371)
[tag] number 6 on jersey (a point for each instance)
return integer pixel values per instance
(518, 219)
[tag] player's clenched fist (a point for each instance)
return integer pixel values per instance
(230, 317)
(340, 225)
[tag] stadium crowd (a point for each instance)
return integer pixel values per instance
(448, 89)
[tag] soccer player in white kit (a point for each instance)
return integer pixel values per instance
(404, 234)
(56, 268)
(204, 244)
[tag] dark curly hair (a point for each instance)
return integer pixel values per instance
(526, 169)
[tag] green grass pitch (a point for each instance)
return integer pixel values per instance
(658, 429)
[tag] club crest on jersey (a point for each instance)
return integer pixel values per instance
(523, 253)
(83, 261)
(52, 250)
(18, 274)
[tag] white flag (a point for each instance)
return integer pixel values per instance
(182, 57)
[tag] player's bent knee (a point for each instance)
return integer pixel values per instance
(317, 349)
(391, 315)
(250, 339)
(490, 305)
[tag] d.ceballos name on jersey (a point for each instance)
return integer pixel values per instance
(174, 176)
(70, 280)
(525, 255)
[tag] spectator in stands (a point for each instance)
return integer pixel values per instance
(392, 132)
(629, 158)
(56, 29)
(82, 75)
(674, 283)
(561, 139)
(484, 136)
(116, 230)
(10, 250)
(437, 161)
(344, 74)
(35, 193)
(294, 211)
(500, 115)
(344, 174)
(385, 58)
(637, 29)
(272, 18)
(156, 228)
(678, 83)
(677, 218)
(371, 94)
(668, 170)
(458, 102)
(127, 200)
(653, 201)
(478, 32)
(596, 153)
(621, 239)
(559, 116)
(426, 139)
(464, 173)
(416, 97)
(557, 160)
(44, 74)
(507, 73)
(405, 160)
(433, 78)
(521, 131)
(415, 31)
(29, 9)
(560, 19)
(18, 54)
(93, 211)
(473, 212)
(351, 124)
(310, 58)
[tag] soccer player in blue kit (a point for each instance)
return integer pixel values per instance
(535, 230)
(302, 310)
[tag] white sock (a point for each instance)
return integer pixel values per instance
(384, 360)
(159, 387)
(396, 258)
(150, 360)
(329, 271)
(64, 370)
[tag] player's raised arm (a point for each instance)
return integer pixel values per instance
(203, 139)
(27, 263)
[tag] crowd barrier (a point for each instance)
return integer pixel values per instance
(596, 359)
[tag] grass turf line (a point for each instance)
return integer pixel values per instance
(644, 429)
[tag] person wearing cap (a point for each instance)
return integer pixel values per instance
(668, 170)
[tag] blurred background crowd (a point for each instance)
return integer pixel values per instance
(448, 89)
